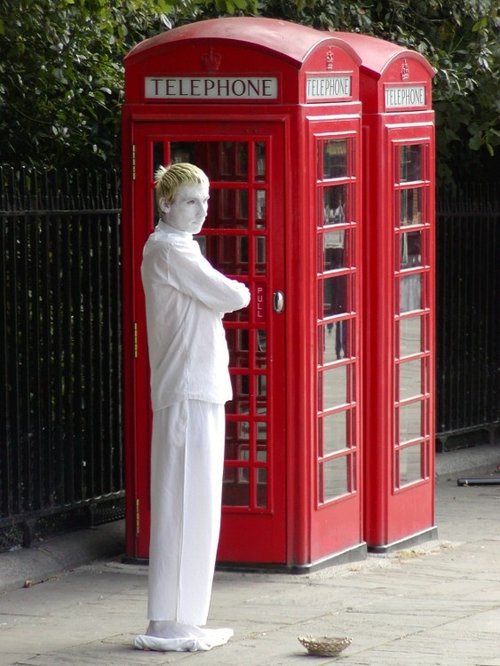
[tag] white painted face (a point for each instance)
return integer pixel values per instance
(188, 210)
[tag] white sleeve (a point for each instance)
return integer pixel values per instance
(183, 267)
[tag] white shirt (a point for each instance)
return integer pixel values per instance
(186, 298)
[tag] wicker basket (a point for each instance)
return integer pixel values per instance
(324, 646)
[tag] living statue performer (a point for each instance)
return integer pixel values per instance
(186, 299)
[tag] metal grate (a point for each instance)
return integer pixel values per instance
(468, 315)
(60, 355)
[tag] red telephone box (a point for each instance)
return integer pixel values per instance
(270, 111)
(399, 312)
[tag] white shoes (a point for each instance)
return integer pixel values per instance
(166, 636)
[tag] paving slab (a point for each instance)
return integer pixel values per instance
(436, 604)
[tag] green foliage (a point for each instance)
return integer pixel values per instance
(61, 76)
(61, 72)
(460, 38)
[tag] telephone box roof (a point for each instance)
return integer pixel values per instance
(288, 40)
(377, 54)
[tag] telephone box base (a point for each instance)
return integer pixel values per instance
(413, 540)
(355, 554)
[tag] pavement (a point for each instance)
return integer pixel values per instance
(72, 600)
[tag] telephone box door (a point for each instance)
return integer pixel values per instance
(243, 238)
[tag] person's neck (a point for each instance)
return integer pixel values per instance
(164, 226)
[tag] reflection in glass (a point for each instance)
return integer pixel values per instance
(260, 160)
(184, 151)
(260, 208)
(410, 211)
(335, 432)
(262, 437)
(262, 488)
(237, 316)
(333, 250)
(237, 434)
(335, 164)
(410, 336)
(237, 342)
(410, 421)
(334, 341)
(334, 204)
(233, 161)
(334, 387)
(411, 163)
(158, 158)
(410, 379)
(410, 292)
(228, 209)
(335, 295)
(221, 160)
(410, 465)
(260, 255)
(261, 348)
(410, 249)
(335, 478)
(235, 488)
(228, 254)
(239, 403)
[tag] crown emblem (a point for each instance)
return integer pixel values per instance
(405, 71)
(329, 59)
(210, 61)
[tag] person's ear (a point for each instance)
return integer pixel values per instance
(164, 205)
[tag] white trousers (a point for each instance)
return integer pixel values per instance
(187, 460)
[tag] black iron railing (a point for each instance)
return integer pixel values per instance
(60, 365)
(61, 459)
(468, 316)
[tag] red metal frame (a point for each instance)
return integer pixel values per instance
(310, 516)
(397, 508)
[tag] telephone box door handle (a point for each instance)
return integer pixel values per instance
(278, 301)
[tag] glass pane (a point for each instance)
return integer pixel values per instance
(239, 404)
(333, 250)
(335, 296)
(410, 379)
(228, 209)
(410, 421)
(335, 432)
(335, 162)
(411, 163)
(221, 160)
(410, 254)
(410, 465)
(410, 288)
(334, 387)
(261, 394)
(260, 208)
(262, 437)
(261, 349)
(233, 161)
(260, 255)
(335, 478)
(228, 254)
(183, 151)
(262, 488)
(261, 386)
(158, 155)
(235, 488)
(238, 316)
(334, 204)
(335, 341)
(410, 207)
(237, 434)
(260, 160)
(237, 342)
(410, 336)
